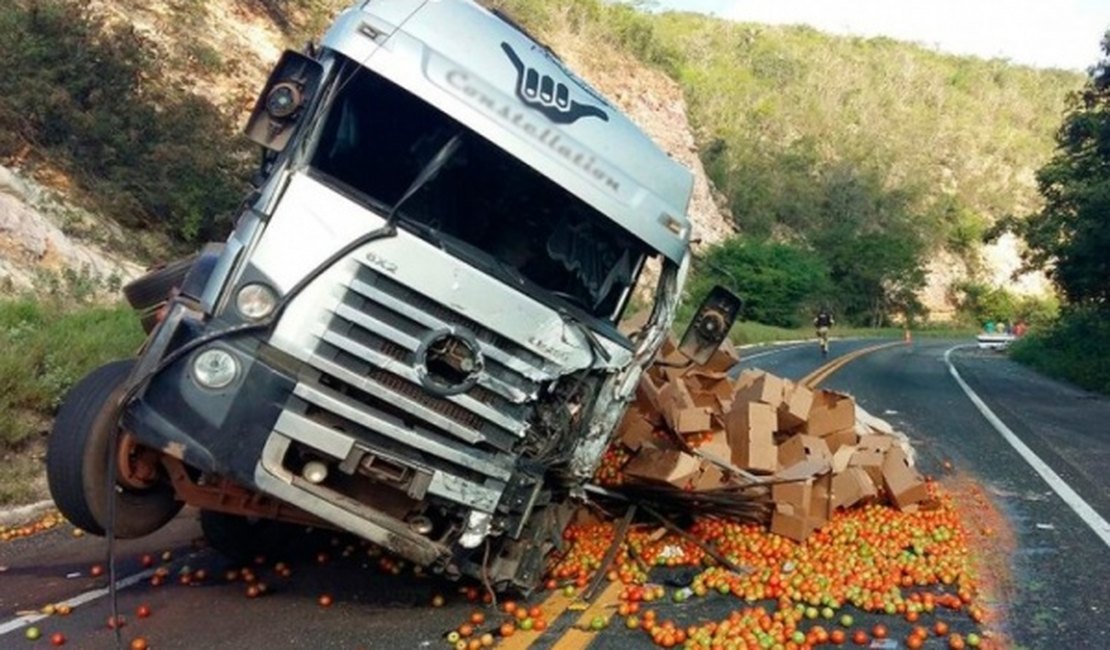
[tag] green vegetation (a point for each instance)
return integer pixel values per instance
(47, 343)
(781, 283)
(746, 332)
(866, 153)
(1070, 236)
(979, 303)
(45, 347)
(82, 96)
(1074, 348)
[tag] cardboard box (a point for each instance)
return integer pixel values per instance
(751, 430)
(746, 378)
(792, 526)
(681, 411)
(851, 487)
(765, 388)
(842, 458)
(820, 504)
(870, 454)
(902, 482)
(796, 496)
(811, 468)
(839, 439)
(634, 429)
(710, 478)
(831, 411)
(800, 447)
(711, 384)
(664, 466)
(794, 411)
(717, 447)
(723, 359)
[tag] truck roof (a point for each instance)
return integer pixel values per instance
(495, 79)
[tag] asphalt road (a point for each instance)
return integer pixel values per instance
(1055, 597)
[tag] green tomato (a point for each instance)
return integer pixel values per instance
(828, 613)
(599, 623)
(847, 620)
(811, 612)
(453, 637)
(974, 640)
(33, 633)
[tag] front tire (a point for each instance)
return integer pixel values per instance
(77, 462)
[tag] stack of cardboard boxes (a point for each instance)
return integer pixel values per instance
(695, 428)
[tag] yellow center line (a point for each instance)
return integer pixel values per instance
(580, 635)
(553, 607)
(814, 379)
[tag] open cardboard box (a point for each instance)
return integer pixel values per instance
(830, 412)
(635, 429)
(800, 447)
(794, 410)
(664, 465)
(902, 482)
(682, 411)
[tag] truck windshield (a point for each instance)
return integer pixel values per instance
(483, 205)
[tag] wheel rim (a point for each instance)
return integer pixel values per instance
(136, 465)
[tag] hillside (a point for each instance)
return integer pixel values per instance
(809, 139)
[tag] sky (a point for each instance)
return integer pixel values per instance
(1042, 33)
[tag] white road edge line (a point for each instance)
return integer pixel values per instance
(1088, 514)
(749, 357)
(20, 622)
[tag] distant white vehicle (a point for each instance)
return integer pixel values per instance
(994, 341)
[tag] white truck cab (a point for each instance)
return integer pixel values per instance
(412, 332)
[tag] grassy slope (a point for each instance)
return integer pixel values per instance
(44, 349)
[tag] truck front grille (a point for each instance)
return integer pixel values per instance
(368, 387)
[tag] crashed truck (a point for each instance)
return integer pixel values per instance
(414, 332)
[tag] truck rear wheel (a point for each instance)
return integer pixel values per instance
(77, 462)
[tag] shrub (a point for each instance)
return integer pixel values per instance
(90, 98)
(776, 280)
(1074, 348)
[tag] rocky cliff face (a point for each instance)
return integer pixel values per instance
(34, 241)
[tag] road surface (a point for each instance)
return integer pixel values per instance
(1055, 593)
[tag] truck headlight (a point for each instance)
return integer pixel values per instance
(255, 301)
(215, 368)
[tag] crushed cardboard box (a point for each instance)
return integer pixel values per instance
(696, 428)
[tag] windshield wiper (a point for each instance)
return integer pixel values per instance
(427, 173)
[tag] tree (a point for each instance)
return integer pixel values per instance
(776, 280)
(1070, 235)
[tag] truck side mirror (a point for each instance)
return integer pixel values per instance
(291, 86)
(710, 325)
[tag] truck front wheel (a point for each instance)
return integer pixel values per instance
(77, 462)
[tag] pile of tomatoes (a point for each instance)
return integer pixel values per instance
(874, 558)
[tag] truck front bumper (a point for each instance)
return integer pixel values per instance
(244, 432)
